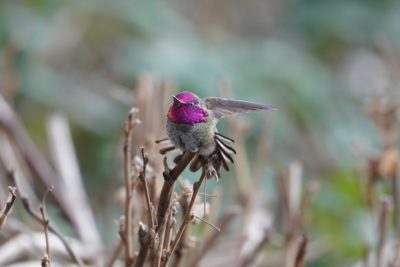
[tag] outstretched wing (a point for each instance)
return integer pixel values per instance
(223, 107)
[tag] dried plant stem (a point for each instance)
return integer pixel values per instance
(145, 241)
(161, 247)
(36, 162)
(170, 229)
(167, 189)
(128, 131)
(301, 252)
(178, 260)
(7, 207)
(38, 218)
(142, 177)
(188, 216)
(46, 261)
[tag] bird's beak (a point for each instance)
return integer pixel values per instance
(176, 100)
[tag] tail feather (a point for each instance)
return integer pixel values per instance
(227, 139)
(225, 153)
(218, 159)
(225, 146)
(222, 161)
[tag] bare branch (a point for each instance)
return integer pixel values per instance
(46, 260)
(8, 205)
(188, 216)
(37, 163)
(128, 131)
(142, 177)
(166, 191)
(301, 252)
(28, 208)
(144, 240)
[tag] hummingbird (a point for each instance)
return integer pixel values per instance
(191, 126)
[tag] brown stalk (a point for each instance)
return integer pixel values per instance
(184, 202)
(161, 248)
(169, 180)
(36, 162)
(38, 218)
(142, 177)
(145, 241)
(171, 221)
(128, 131)
(8, 205)
(301, 252)
(46, 260)
(188, 217)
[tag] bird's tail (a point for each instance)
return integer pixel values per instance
(219, 158)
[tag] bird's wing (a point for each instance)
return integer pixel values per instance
(223, 107)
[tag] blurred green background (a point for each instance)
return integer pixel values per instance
(317, 60)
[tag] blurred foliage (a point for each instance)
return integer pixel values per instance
(317, 60)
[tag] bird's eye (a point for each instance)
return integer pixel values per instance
(191, 104)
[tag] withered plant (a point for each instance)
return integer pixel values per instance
(159, 207)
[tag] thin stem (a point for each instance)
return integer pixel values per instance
(144, 240)
(128, 131)
(142, 177)
(188, 216)
(46, 261)
(28, 208)
(166, 192)
(7, 207)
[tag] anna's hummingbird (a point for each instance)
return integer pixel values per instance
(191, 126)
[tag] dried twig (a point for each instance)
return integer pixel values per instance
(167, 189)
(36, 162)
(46, 260)
(142, 177)
(171, 221)
(38, 218)
(8, 205)
(161, 248)
(188, 216)
(128, 131)
(144, 240)
(301, 252)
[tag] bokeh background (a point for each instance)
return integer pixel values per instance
(318, 61)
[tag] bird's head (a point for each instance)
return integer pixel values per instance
(186, 109)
